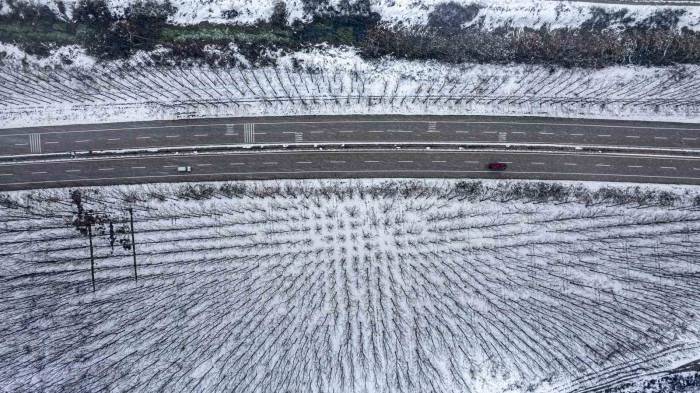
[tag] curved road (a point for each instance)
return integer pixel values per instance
(313, 163)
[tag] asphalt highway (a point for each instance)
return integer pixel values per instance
(347, 129)
(351, 164)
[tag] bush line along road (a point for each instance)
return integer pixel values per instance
(417, 162)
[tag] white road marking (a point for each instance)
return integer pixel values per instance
(602, 165)
(270, 163)
(576, 134)
(6, 174)
(689, 139)
(201, 135)
(205, 164)
(138, 167)
(21, 144)
(105, 169)
(660, 137)
(346, 132)
(632, 136)
(372, 161)
(471, 162)
(143, 137)
(72, 170)
(236, 163)
(319, 132)
(113, 139)
(375, 132)
(336, 162)
(537, 163)
(83, 141)
(489, 132)
(462, 132)
(405, 161)
(635, 166)
(439, 162)
(673, 168)
(169, 166)
(39, 173)
(303, 162)
(518, 132)
(546, 133)
(51, 143)
(569, 164)
(604, 135)
(172, 136)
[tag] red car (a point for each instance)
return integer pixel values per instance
(497, 166)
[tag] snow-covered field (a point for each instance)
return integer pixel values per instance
(493, 13)
(333, 81)
(349, 286)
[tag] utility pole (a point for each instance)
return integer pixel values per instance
(92, 258)
(133, 242)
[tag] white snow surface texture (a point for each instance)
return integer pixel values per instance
(349, 286)
(335, 81)
(411, 13)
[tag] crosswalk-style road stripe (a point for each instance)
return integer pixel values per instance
(248, 133)
(230, 129)
(298, 137)
(502, 136)
(35, 143)
(432, 126)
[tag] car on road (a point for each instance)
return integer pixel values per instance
(497, 166)
(184, 169)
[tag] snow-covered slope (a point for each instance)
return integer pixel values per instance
(335, 81)
(336, 286)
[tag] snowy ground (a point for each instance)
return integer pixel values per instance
(349, 286)
(516, 13)
(337, 81)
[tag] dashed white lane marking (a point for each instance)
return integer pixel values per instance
(336, 162)
(205, 164)
(138, 167)
(569, 164)
(661, 137)
(143, 137)
(320, 132)
(21, 144)
(105, 169)
(303, 162)
(346, 132)
(604, 135)
(51, 143)
(7, 174)
(39, 173)
(546, 133)
(462, 132)
(439, 162)
(518, 132)
(113, 139)
(371, 161)
(404, 161)
(537, 163)
(83, 141)
(375, 132)
(471, 162)
(172, 136)
(169, 166)
(632, 136)
(489, 132)
(606, 165)
(696, 169)
(689, 139)
(576, 134)
(673, 168)
(72, 170)
(236, 163)
(270, 163)
(200, 135)
(635, 166)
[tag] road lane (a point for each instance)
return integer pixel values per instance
(347, 129)
(351, 164)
